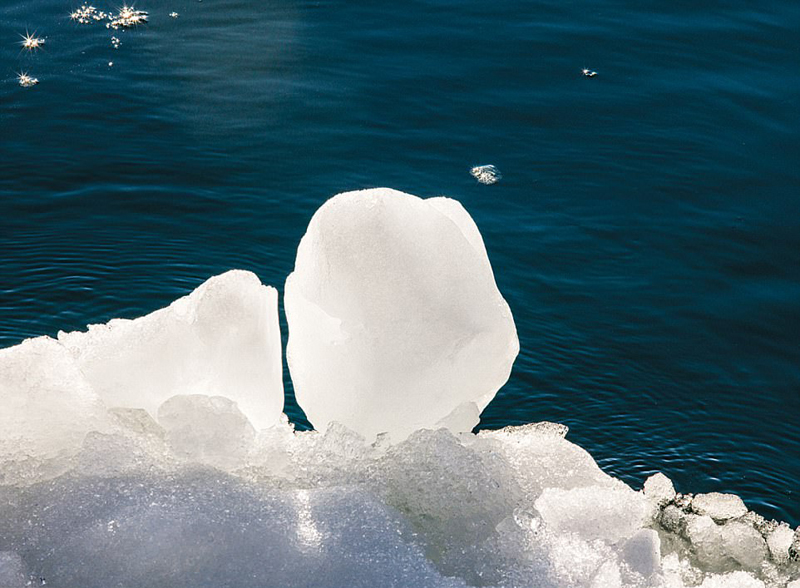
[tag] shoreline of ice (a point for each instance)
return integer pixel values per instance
(154, 451)
(520, 506)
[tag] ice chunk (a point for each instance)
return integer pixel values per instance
(486, 174)
(720, 507)
(207, 429)
(47, 404)
(744, 544)
(779, 541)
(222, 339)
(594, 512)
(394, 317)
(540, 457)
(659, 488)
(449, 493)
(706, 540)
(723, 547)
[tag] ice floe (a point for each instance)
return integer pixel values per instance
(153, 451)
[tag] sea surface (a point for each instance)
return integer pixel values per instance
(646, 231)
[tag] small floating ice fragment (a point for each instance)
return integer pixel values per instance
(127, 17)
(174, 15)
(115, 42)
(26, 81)
(588, 72)
(31, 42)
(87, 14)
(486, 174)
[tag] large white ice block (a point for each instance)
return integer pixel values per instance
(222, 339)
(395, 320)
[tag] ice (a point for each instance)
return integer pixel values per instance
(395, 321)
(12, 570)
(595, 512)
(732, 580)
(222, 339)
(779, 542)
(47, 404)
(139, 507)
(538, 452)
(153, 452)
(197, 530)
(642, 552)
(486, 174)
(720, 507)
(207, 429)
(659, 488)
(744, 544)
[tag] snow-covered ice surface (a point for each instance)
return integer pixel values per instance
(395, 320)
(518, 507)
(153, 452)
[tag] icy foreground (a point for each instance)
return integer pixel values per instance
(223, 339)
(153, 452)
(395, 321)
(517, 507)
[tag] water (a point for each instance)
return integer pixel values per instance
(646, 231)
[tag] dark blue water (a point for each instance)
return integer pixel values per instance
(646, 232)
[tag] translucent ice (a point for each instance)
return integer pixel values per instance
(719, 507)
(47, 404)
(659, 488)
(221, 340)
(595, 512)
(207, 429)
(395, 321)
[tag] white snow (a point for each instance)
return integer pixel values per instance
(12, 570)
(395, 321)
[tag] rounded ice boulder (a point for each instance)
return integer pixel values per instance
(395, 321)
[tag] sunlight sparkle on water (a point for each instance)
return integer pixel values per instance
(26, 81)
(31, 41)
